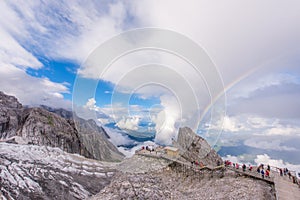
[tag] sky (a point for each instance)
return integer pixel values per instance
(243, 93)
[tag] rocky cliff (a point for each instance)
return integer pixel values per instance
(195, 148)
(40, 127)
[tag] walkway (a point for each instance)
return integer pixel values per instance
(285, 189)
(253, 174)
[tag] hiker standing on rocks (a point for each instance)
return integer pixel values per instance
(280, 170)
(244, 167)
(258, 169)
(267, 173)
(250, 167)
(262, 173)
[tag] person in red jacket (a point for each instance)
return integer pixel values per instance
(267, 174)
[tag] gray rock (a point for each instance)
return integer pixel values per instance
(195, 148)
(40, 172)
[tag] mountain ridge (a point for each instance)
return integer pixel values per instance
(59, 128)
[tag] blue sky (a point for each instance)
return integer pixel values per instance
(253, 45)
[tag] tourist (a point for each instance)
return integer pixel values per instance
(201, 164)
(267, 173)
(250, 167)
(262, 173)
(237, 165)
(244, 167)
(226, 163)
(285, 171)
(289, 173)
(258, 169)
(269, 168)
(280, 170)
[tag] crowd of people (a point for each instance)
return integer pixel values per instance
(264, 171)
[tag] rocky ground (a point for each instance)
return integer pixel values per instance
(40, 172)
(170, 183)
(142, 164)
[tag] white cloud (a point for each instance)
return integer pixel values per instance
(276, 163)
(223, 25)
(129, 123)
(237, 159)
(283, 130)
(30, 90)
(65, 29)
(11, 52)
(261, 143)
(118, 138)
(166, 120)
(260, 122)
(228, 124)
(91, 104)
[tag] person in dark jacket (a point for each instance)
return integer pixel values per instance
(244, 167)
(262, 173)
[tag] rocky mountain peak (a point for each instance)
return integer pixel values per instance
(195, 148)
(9, 101)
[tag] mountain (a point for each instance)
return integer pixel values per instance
(196, 148)
(58, 128)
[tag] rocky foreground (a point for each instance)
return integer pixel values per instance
(170, 181)
(35, 172)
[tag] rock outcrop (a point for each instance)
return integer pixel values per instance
(10, 115)
(95, 139)
(40, 127)
(195, 148)
(41, 172)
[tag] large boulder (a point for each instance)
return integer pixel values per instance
(195, 148)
